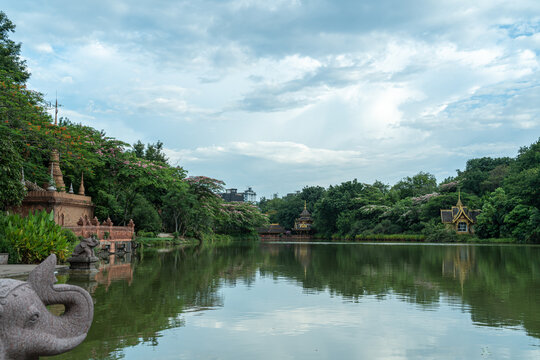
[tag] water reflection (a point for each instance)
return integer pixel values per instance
(138, 299)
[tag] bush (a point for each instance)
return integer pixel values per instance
(146, 234)
(439, 233)
(70, 236)
(5, 247)
(34, 237)
(145, 215)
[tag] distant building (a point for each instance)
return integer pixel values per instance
(303, 224)
(271, 231)
(250, 195)
(460, 218)
(233, 195)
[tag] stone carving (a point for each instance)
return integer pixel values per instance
(85, 248)
(27, 329)
(83, 254)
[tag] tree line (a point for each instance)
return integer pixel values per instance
(507, 190)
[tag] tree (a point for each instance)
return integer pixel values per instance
(420, 184)
(176, 205)
(11, 63)
(491, 221)
(483, 175)
(11, 189)
(523, 180)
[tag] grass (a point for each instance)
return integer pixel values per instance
(161, 242)
(391, 237)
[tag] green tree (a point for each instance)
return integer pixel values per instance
(11, 63)
(490, 222)
(420, 184)
(483, 175)
(11, 189)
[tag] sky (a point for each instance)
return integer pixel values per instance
(282, 94)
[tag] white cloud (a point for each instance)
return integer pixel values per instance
(44, 48)
(315, 84)
(279, 152)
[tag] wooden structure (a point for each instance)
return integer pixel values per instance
(303, 225)
(460, 218)
(271, 232)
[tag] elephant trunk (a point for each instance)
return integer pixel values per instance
(79, 308)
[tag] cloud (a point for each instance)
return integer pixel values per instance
(44, 48)
(279, 152)
(374, 90)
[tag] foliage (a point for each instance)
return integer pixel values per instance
(439, 233)
(35, 237)
(10, 60)
(70, 236)
(420, 184)
(484, 175)
(145, 215)
(11, 189)
(239, 218)
(6, 247)
(391, 237)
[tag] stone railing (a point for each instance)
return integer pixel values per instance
(105, 231)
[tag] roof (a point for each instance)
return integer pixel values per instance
(305, 213)
(446, 216)
(272, 229)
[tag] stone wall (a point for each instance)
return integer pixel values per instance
(68, 208)
(110, 236)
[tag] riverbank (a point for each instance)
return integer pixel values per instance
(422, 238)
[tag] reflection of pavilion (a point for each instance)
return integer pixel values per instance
(302, 253)
(459, 263)
(115, 270)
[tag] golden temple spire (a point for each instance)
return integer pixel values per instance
(305, 205)
(459, 203)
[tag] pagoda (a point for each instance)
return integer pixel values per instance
(460, 218)
(303, 225)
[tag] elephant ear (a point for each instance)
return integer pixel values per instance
(42, 277)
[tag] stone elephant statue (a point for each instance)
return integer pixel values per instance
(85, 247)
(27, 329)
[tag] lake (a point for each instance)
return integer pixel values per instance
(316, 301)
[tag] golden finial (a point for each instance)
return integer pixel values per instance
(459, 203)
(305, 205)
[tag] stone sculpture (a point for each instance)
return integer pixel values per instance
(27, 329)
(83, 254)
(85, 248)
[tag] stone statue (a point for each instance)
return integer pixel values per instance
(85, 248)
(27, 329)
(83, 256)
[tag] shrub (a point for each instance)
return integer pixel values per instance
(5, 247)
(145, 215)
(70, 236)
(439, 233)
(34, 237)
(146, 234)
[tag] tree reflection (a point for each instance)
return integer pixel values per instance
(136, 300)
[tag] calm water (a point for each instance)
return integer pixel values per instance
(317, 301)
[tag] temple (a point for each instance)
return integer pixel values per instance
(68, 208)
(460, 218)
(303, 226)
(72, 211)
